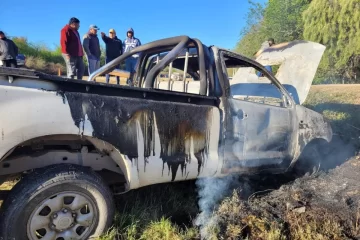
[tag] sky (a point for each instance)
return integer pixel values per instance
(214, 22)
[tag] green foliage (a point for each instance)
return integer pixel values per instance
(38, 50)
(336, 25)
(252, 35)
(279, 19)
(283, 19)
(40, 57)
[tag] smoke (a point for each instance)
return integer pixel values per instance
(211, 191)
(336, 153)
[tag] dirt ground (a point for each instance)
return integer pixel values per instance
(320, 206)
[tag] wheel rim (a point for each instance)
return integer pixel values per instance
(67, 215)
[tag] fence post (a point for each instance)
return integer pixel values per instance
(59, 72)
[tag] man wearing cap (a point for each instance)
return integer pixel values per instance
(8, 51)
(71, 49)
(92, 48)
(129, 44)
(113, 49)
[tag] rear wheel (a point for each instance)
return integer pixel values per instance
(59, 202)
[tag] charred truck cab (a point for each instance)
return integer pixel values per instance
(71, 139)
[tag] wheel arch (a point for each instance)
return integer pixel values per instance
(78, 149)
(317, 143)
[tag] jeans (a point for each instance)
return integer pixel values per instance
(130, 65)
(94, 64)
(74, 66)
(107, 60)
(269, 68)
(10, 63)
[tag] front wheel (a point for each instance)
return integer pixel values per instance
(59, 202)
(312, 159)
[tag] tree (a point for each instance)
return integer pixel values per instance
(336, 24)
(283, 19)
(252, 35)
(279, 19)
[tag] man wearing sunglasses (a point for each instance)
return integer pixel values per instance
(113, 49)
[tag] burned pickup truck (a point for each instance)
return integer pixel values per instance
(76, 143)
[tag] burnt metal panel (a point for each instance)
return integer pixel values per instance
(115, 119)
(258, 136)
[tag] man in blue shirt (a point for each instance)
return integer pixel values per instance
(129, 44)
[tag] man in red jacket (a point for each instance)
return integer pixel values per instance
(71, 49)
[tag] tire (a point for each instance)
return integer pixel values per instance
(66, 189)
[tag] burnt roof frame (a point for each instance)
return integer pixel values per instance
(176, 44)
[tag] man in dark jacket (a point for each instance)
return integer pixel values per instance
(92, 48)
(113, 49)
(71, 49)
(8, 51)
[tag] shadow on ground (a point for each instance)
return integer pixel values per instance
(345, 122)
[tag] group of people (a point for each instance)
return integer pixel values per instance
(73, 49)
(8, 51)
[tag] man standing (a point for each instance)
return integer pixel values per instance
(8, 51)
(269, 43)
(129, 44)
(92, 48)
(71, 49)
(113, 50)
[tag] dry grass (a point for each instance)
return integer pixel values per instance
(238, 221)
(8, 185)
(309, 226)
(342, 93)
(241, 220)
(40, 64)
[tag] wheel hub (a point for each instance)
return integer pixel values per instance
(66, 215)
(62, 220)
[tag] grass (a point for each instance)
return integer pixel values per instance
(341, 105)
(167, 211)
(312, 227)
(164, 211)
(241, 220)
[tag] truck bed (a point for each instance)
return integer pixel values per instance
(38, 80)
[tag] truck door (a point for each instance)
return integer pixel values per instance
(259, 129)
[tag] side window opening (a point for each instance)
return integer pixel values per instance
(247, 84)
(180, 75)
